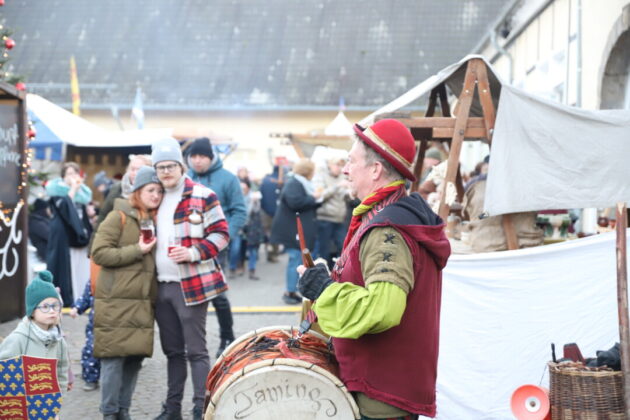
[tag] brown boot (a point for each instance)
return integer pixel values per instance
(252, 275)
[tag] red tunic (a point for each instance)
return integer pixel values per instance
(399, 366)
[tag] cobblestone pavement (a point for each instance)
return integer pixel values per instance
(256, 304)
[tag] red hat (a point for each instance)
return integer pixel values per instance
(393, 141)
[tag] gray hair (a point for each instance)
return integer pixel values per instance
(145, 158)
(371, 156)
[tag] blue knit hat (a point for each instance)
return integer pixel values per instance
(39, 289)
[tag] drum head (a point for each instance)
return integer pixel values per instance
(283, 392)
(278, 388)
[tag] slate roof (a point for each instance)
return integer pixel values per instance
(240, 54)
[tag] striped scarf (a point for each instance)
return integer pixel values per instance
(368, 203)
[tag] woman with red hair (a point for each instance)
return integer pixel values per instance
(125, 292)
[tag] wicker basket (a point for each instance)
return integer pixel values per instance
(581, 393)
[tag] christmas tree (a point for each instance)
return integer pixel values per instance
(7, 45)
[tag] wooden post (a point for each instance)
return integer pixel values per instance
(463, 111)
(622, 301)
(297, 148)
(510, 231)
(485, 97)
(23, 221)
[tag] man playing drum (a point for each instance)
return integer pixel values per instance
(381, 303)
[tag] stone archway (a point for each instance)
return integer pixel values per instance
(615, 72)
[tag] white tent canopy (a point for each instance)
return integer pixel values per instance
(76, 131)
(340, 126)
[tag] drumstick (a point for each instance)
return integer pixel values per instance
(307, 260)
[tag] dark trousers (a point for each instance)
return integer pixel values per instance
(222, 305)
(224, 316)
(118, 381)
(183, 338)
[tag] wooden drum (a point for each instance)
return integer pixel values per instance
(263, 376)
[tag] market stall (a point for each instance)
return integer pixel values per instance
(63, 136)
(338, 134)
(14, 163)
(502, 310)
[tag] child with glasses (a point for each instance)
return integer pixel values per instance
(39, 334)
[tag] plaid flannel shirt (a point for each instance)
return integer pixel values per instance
(201, 279)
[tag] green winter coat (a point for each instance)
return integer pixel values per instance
(126, 288)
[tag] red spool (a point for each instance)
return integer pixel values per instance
(531, 402)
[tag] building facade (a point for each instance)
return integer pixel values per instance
(576, 52)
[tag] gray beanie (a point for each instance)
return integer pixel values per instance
(166, 149)
(146, 175)
(101, 178)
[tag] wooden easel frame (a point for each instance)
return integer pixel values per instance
(456, 130)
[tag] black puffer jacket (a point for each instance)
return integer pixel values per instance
(294, 199)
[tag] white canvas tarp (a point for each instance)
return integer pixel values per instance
(550, 156)
(501, 311)
(544, 155)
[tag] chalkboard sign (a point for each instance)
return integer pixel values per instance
(11, 158)
(13, 227)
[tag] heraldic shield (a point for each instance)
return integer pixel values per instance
(29, 389)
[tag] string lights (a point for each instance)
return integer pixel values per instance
(26, 155)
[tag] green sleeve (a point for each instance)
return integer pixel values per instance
(349, 311)
(346, 310)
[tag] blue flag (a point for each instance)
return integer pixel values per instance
(136, 111)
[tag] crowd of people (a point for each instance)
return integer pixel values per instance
(179, 224)
(207, 226)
